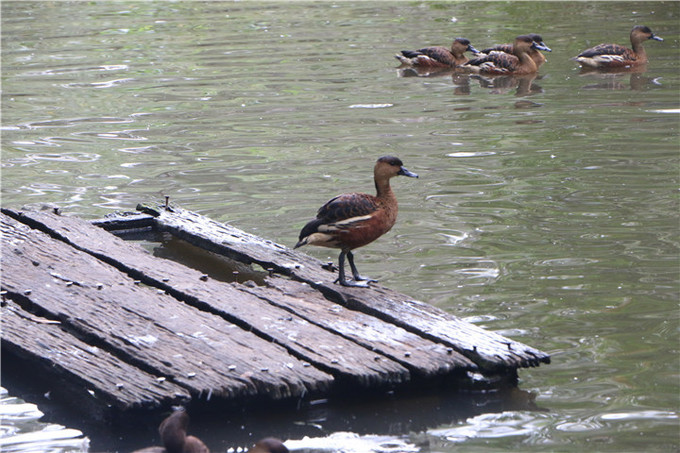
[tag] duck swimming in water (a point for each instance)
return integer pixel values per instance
(438, 56)
(519, 62)
(269, 445)
(616, 56)
(537, 56)
(173, 432)
(353, 220)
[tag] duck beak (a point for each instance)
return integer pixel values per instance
(541, 46)
(656, 38)
(472, 49)
(405, 172)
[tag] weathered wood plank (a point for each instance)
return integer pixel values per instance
(84, 366)
(361, 365)
(199, 351)
(424, 357)
(489, 350)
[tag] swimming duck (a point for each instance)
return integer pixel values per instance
(173, 432)
(616, 56)
(269, 445)
(353, 220)
(537, 56)
(518, 62)
(438, 56)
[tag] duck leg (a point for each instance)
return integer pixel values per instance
(361, 282)
(355, 272)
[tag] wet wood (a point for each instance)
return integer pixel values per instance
(296, 333)
(146, 327)
(89, 367)
(487, 349)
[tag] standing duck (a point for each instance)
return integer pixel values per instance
(616, 56)
(438, 56)
(353, 220)
(519, 62)
(537, 56)
(173, 432)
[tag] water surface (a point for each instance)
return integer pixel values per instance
(546, 209)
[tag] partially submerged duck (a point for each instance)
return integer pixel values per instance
(269, 445)
(616, 56)
(353, 220)
(438, 56)
(519, 62)
(173, 432)
(537, 56)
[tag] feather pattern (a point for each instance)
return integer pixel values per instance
(352, 220)
(617, 56)
(519, 62)
(438, 56)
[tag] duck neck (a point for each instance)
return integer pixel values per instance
(383, 189)
(526, 61)
(639, 50)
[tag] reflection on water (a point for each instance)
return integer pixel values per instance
(546, 207)
(22, 430)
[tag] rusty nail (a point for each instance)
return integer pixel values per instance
(167, 201)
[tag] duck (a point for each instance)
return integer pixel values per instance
(537, 56)
(173, 432)
(519, 62)
(616, 56)
(438, 56)
(269, 445)
(353, 220)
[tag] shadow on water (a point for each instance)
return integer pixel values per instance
(392, 414)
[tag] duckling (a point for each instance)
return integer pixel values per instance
(616, 56)
(438, 56)
(269, 445)
(518, 63)
(537, 56)
(173, 432)
(353, 220)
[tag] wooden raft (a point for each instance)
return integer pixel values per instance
(135, 331)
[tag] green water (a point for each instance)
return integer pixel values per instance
(547, 213)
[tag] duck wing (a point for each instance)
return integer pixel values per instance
(607, 49)
(495, 63)
(437, 54)
(347, 207)
(507, 48)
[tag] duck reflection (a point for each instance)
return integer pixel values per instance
(615, 78)
(522, 84)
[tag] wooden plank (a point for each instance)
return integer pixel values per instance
(425, 358)
(487, 349)
(199, 351)
(85, 367)
(360, 365)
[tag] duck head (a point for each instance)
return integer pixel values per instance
(642, 33)
(389, 166)
(538, 43)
